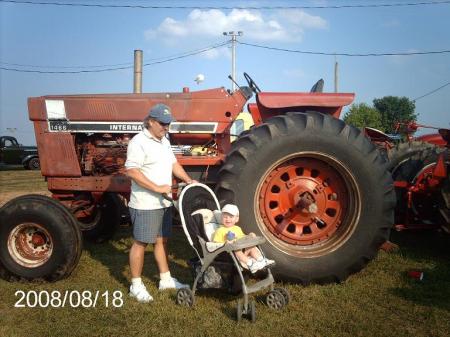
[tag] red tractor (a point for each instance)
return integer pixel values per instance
(314, 187)
(419, 167)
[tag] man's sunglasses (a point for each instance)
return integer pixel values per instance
(163, 124)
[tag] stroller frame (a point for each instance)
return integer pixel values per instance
(276, 298)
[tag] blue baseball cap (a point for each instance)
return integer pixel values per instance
(161, 113)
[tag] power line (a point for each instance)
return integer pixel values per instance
(117, 68)
(381, 5)
(189, 53)
(130, 64)
(202, 50)
(62, 72)
(64, 67)
(345, 54)
(431, 92)
(195, 52)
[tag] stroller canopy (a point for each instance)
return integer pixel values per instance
(193, 199)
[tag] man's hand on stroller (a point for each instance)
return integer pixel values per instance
(163, 189)
(191, 181)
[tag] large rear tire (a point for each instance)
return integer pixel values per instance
(39, 239)
(317, 189)
(403, 152)
(99, 221)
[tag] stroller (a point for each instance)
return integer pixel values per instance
(216, 265)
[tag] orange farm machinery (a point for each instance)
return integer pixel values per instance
(420, 169)
(316, 188)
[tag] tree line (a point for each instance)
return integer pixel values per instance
(384, 113)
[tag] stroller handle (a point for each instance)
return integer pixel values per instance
(166, 196)
(179, 186)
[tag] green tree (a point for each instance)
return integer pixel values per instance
(395, 109)
(361, 115)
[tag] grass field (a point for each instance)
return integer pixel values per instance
(379, 301)
(15, 181)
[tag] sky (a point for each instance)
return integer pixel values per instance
(74, 38)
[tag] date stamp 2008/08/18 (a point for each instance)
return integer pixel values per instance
(68, 299)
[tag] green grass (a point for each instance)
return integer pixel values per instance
(379, 301)
(13, 179)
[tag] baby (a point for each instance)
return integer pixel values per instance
(229, 232)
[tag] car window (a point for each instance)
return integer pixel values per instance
(9, 143)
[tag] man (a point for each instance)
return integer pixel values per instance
(150, 165)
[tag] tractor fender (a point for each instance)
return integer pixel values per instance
(376, 135)
(271, 104)
(434, 138)
(275, 100)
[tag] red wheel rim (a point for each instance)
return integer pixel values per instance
(30, 245)
(309, 202)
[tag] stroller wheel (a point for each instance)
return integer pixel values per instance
(185, 297)
(275, 300)
(286, 295)
(239, 310)
(252, 311)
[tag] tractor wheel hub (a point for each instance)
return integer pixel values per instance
(307, 203)
(302, 200)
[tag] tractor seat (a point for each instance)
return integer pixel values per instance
(318, 87)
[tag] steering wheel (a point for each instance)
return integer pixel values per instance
(252, 83)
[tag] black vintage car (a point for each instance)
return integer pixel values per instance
(13, 153)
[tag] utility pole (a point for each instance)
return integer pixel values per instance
(137, 87)
(336, 74)
(233, 55)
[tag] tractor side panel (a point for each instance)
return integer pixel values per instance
(56, 152)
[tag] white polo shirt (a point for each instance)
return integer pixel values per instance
(154, 158)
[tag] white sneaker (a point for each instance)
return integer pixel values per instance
(171, 283)
(256, 265)
(140, 293)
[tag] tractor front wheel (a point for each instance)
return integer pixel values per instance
(317, 189)
(39, 239)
